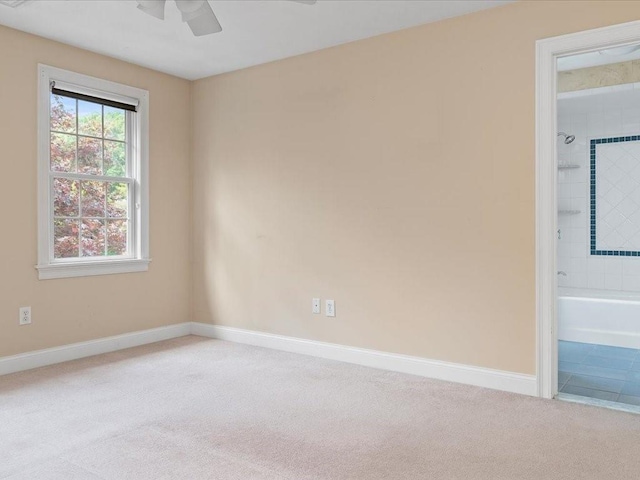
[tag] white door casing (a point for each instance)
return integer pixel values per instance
(547, 52)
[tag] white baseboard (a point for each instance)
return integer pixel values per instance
(50, 356)
(452, 372)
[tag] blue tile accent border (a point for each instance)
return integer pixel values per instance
(592, 196)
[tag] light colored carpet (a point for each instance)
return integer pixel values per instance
(195, 408)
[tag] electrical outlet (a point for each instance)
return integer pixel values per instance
(330, 308)
(315, 306)
(25, 316)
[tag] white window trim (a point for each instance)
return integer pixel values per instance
(47, 267)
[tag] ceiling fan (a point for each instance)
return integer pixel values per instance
(197, 13)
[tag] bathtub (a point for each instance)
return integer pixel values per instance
(597, 316)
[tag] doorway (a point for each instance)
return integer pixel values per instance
(581, 256)
(598, 190)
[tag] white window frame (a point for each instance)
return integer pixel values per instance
(138, 132)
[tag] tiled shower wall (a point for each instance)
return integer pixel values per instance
(600, 120)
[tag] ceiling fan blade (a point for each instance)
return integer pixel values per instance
(191, 9)
(204, 26)
(155, 8)
(199, 16)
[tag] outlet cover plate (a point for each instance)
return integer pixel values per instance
(25, 316)
(330, 308)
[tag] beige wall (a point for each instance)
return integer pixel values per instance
(71, 310)
(394, 175)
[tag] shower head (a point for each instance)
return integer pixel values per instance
(567, 138)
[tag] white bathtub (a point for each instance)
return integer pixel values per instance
(595, 316)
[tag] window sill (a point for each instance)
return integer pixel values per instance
(68, 270)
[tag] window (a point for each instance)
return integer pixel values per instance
(93, 176)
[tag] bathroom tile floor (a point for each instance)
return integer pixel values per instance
(599, 371)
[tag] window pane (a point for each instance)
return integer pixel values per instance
(115, 160)
(89, 119)
(117, 200)
(93, 199)
(114, 123)
(93, 238)
(116, 237)
(63, 152)
(63, 114)
(90, 156)
(65, 238)
(65, 198)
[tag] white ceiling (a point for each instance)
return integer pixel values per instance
(593, 59)
(254, 31)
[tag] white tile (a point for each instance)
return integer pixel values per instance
(631, 115)
(627, 184)
(580, 120)
(613, 122)
(564, 122)
(595, 281)
(631, 282)
(581, 173)
(564, 223)
(631, 266)
(627, 207)
(603, 207)
(579, 220)
(583, 242)
(601, 244)
(576, 235)
(595, 124)
(614, 218)
(579, 204)
(564, 249)
(564, 203)
(612, 241)
(613, 174)
(579, 280)
(627, 230)
(580, 130)
(595, 264)
(564, 264)
(635, 217)
(613, 265)
(563, 281)
(563, 176)
(578, 265)
(604, 186)
(612, 282)
(579, 190)
(579, 157)
(564, 154)
(635, 195)
(630, 128)
(614, 196)
(577, 250)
